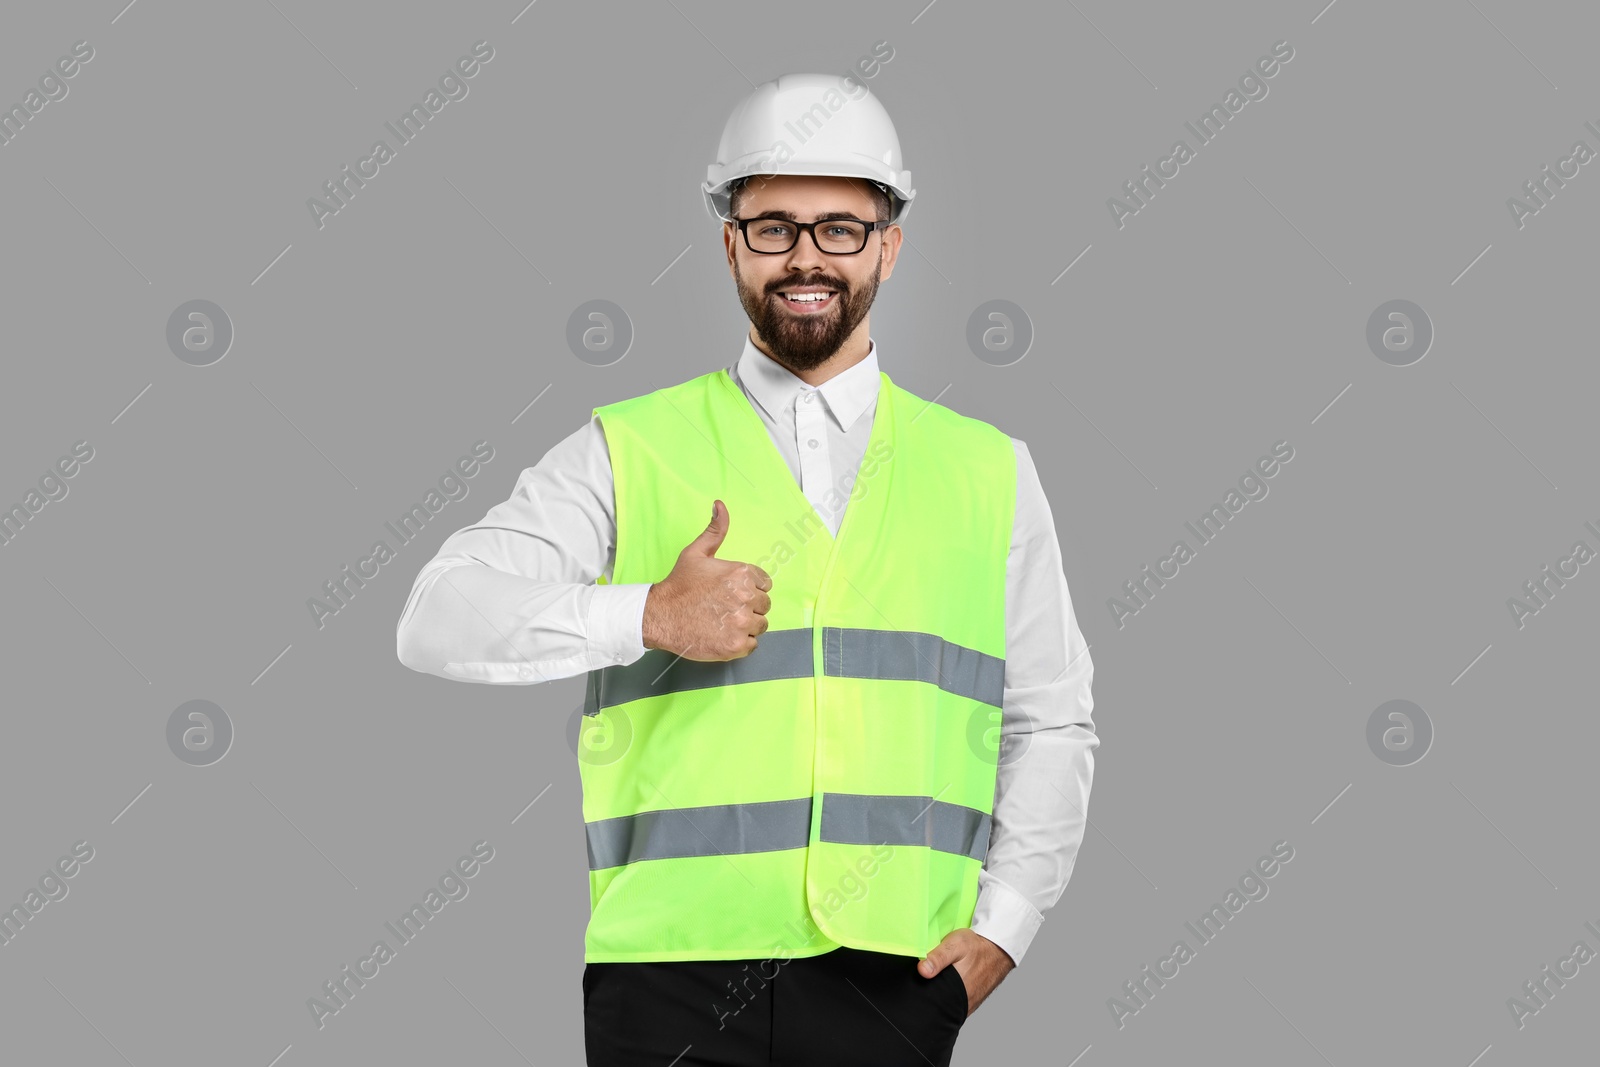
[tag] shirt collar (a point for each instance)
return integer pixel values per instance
(775, 387)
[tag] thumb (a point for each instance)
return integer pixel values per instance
(711, 540)
(939, 957)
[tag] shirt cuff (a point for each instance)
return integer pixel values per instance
(616, 623)
(1005, 916)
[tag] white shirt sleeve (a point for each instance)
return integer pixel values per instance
(1047, 735)
(511, 600)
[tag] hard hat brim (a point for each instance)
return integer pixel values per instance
(720, 177)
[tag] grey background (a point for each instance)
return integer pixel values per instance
(1229, 314)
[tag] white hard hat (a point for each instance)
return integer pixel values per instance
(815, 124)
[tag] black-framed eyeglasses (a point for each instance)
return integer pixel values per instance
(836, 237)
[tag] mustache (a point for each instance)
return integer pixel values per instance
(787, 282)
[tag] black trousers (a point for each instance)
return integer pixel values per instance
(843, 1008)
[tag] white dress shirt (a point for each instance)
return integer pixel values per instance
(512, 599)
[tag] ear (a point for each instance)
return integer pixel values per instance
(892, 236)
(730, 243)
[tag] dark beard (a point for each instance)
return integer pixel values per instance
(805, 343)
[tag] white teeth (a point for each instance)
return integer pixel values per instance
(808, 298)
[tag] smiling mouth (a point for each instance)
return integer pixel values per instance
(807, 303)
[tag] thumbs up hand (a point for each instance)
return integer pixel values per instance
(708, 609)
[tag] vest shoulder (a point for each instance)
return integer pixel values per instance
(694, 387)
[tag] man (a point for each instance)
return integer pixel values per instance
(837, 748)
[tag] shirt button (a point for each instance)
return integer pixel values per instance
(810, 397)
(812, 442)
(525, 672)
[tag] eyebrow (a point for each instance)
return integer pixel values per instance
(789, 216)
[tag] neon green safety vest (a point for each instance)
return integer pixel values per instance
(835, 786)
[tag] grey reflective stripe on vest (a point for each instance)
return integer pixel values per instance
(714, 830)
(778, 654)
(919, 657)
(773, 825)
(847, 652)
(864, 819)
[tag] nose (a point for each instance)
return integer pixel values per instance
(806, 251)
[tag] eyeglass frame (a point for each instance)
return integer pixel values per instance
(872, 225)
